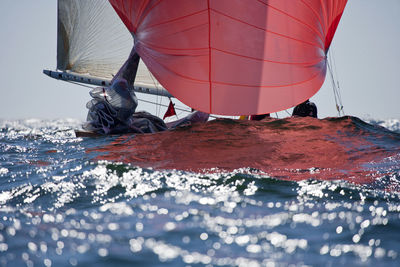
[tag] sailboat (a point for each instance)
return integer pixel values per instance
(224, 57)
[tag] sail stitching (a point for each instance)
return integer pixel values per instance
(209, 53)
(316, 15)
(325, 16)
(148, 11)
(296, 19)
(175, 19)
(270, 86)
(232, 84)
(177, 49)
(185, 30)
(272, 61)
(275, 33)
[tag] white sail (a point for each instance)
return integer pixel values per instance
(93, 41)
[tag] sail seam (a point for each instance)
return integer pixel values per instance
(315, 13)
(175, 19)
(185, 30)
(246, 85)
(271, 86)
(325, 18)
(272, 61)
(143, 16)
(265, 30)
(170, 48)
(209, 54)
(294, 18)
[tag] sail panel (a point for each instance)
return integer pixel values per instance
(92, 40)
(234, 57)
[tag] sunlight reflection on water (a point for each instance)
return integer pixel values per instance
(77, 211)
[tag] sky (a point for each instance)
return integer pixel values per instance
(366, 50)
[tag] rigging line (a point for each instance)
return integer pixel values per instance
(336, 74)
(151, 102)
(333, 85)
(316, 15)
(160, 97)
(338, 103)
(159, 101)
(332, 58)
(177, 108)
(158, 105)
(76, 83)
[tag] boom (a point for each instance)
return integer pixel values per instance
(86, 79)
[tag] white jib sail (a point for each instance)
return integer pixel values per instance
(93, 42)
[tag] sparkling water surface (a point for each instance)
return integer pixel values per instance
(62, 206)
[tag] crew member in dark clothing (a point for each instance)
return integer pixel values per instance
(259, 117)
(305, 109)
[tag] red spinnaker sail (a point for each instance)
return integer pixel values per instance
(234, 57)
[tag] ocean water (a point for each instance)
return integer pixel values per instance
(289, 192)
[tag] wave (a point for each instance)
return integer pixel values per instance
(292, 148)
(104, 212)
(261, 199)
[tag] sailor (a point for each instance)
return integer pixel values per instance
(259, 117)
(305, 109)
(112, 111)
